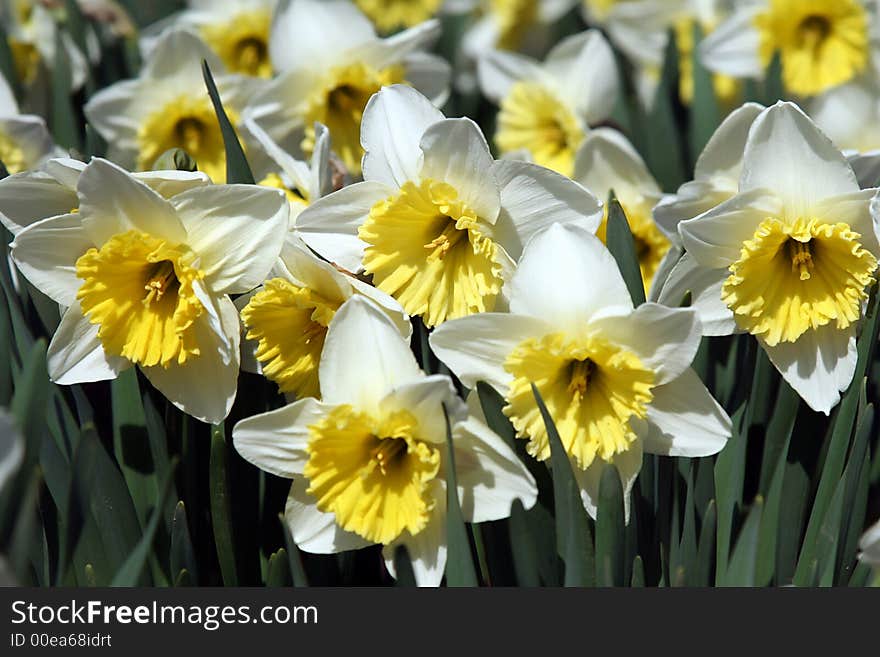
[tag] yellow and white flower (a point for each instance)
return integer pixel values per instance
(237, 31)
(822, 43)
(146, 281)
(25, 142)
(33, 35)
(287, 317)
(607, 161)
(391, 15)
(869, 546)
(547, 108)
(438, 223)
(168, 106)
(795, 252)
(330, 62)
(369, 461)
(616, 380)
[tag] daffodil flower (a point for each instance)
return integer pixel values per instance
(168, 106)
(716, 180)
(822, 43)
(438, 223)
(607, 161)
(236, 30)
(369, 461)
(146, 281)
(616, 380)
(791, 256)
(546, 108)
(869, 546)
(25, 142)
(330, 62)
(287, 317)
(391, 15)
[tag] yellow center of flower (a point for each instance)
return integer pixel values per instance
(374, 474)
(339, 104)
(823, 43)
(139, 289)
(514, 19)
(242, 42)
(390, 15)
(289, 324)
(189, 122)
(11, 154)
(591, 387)
(533, 119)
(726, 88)
(794, 277)
(26, 59)
(426, 249)
(651, 244)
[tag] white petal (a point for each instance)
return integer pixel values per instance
(382, 53)
(855, 210)
(351, 374)
(76, 355)
(427, 549)
(330, 224)
(866, 166)
(46, 253)
(8, 104)
(685, 420)
(585, 71)
(313, 530)
(180, 52)
(723, 153)
(490, 476)
(172, 183)
(112, 112)
(430, 74)
(869, 546)
(667, 264)
(112, 202)
(276, 441)
(498, 71)
(235, 231)
(787, 153)
(665, 339)
(430, 399)
(533, 198)
(392, 127)
(28, 197)
(715, 239)
(456, 152)
(11, 441)
(205, 387)
(628, 463)
(475, 347)
(606, 161)
(733, 48)
(704, 284)
(565, 276)
(819, 366)
(692, 199)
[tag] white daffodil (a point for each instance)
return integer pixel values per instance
(616, 381)
(369, 461)
(850, 115)
(547, 107)
(236, 30)
(822, 43)
(330, 63)
(869, 546)
(33, 35)
(607, 161)
(438, 223)
(794, 254)
(25, 142)
(168, 106)
(28, 197)
(302, 182)
(640, 29)
(716, 179)
(146, 282)
(286, 318)
(391, 15)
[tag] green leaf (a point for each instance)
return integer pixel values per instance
(237, 168)
(623, 247)
(574, 540)
(742, 567)
(523, 548)
(855, 493)
(297, 572)
(279, 569)
(705, 115)
(403, 568)
(610, 529)
(182, 553)
(730, 468)
(701, 573)
(131, 571)
(664, 140)
(221, 517)
(459, 560)
(7, 63)
(30, 399)
(62, 117)
(638, 573)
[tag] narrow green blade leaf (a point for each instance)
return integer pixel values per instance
(221, 517)
(403, 568)
(705, 115)
(297, 572)
(623, 247)
(237, 168)
(610, 530)
(729, 475)
(62, 118)
(664, 154)
(741, 570)
(574, 540)
(183, 556)
(701, 573)
(459, 558)
(279, 569)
